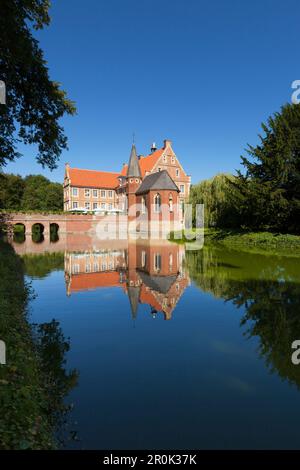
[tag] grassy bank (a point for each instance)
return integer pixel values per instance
(34, 382)
(255, 242)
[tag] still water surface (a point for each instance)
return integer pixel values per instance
(173, 348)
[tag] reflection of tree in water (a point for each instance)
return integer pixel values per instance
(58, 382)
(43, 264)
(34, 383)
(269, 291)
(272, 314)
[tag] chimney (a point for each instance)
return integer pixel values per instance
(167, 143)
(67, 168)
(153, 148)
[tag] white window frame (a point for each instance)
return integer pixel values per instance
(76, 269)
(177, 173)
(87, 193)
(88, 268)
(95, 267)
(110, 194)
(143, 205)
(103, 206)
(87, 205)
(182, 186)
(75, 205)
(74, 191)
(144, 258)
(95, 191)
(170, 203)
(104, 192)
(156, 205)
(157, 256)
(110, 206)
(95, 206)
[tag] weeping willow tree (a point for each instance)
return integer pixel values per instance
(217, 196)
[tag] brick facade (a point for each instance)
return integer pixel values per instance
(105, 192)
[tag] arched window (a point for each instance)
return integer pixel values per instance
(144, 258)
(170, 202)
(157, 203)
(143, 205)
(157, 261)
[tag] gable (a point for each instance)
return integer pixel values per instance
(160, 180)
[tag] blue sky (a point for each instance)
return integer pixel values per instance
(203, 73)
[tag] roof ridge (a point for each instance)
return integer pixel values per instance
(97, 171)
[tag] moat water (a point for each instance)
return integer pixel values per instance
(172, 348)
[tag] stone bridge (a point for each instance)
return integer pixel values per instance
(44, 221)
(96, 225)
(64, 223)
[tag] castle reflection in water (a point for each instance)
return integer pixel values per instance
(148, 272)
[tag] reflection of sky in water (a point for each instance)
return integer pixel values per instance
(194, 376)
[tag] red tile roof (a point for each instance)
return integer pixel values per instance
(93, 179)
(147, 297)
(95, 280)
(109, 180)
(146, 163)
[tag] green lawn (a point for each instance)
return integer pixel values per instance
(256, 242)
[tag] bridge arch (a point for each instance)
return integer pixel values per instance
(19, 227)
(37, 227)
(54, 232)
(19, 232)
(37, 232)
(54, 227)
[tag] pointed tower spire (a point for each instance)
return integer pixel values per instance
(134, 295)
(133, 169)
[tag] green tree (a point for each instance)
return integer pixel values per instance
(216, 194)
(11, 191)
(54, 197)
(41, 194)
(34, 103)
(269, 191)
(35, 192)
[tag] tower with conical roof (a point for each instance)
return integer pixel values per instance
(133, 279)
(134, 179)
